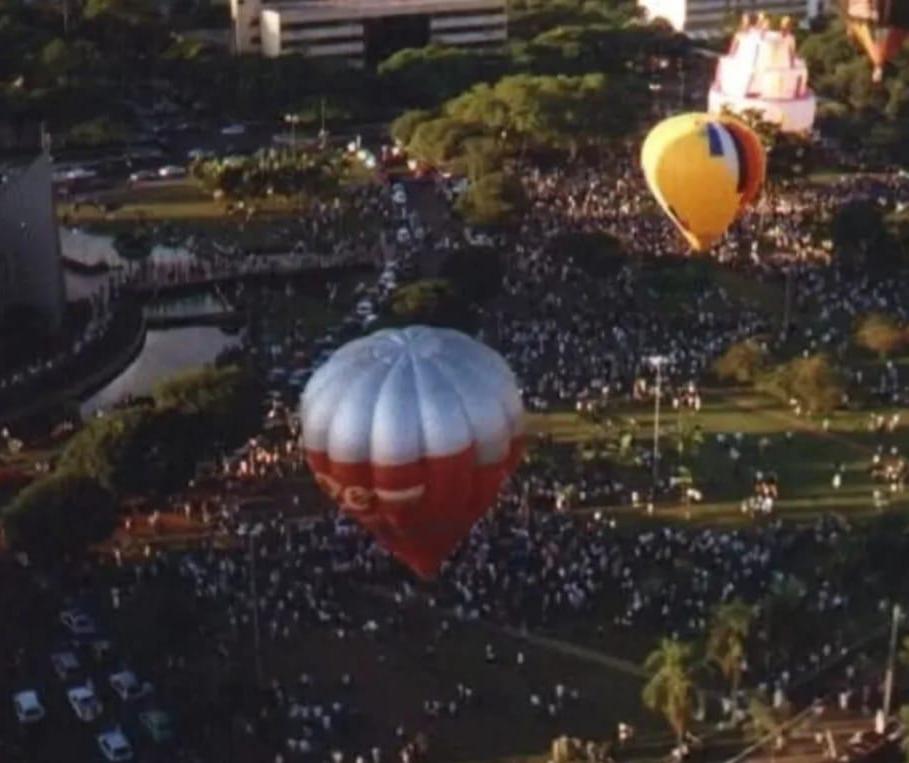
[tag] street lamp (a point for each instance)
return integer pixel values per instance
(293, 120)
(897, 616)
(656, 362)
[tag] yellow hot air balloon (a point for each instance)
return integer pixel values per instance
(705, 171)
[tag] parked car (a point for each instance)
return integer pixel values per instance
(158, 724)
(85, 703)
(114, 746)
(77, 622)
(28, 707)
(399, 196)
(101, 649)
(234, 129)
(66, 665)
(127, 686)
(403, 236)
(171, 171)
(364, 307)
(142, 175)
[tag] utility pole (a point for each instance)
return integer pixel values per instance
(787, 304)
(323, 133)
(657, 362)
(891, 659)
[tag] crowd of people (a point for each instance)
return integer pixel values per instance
(574, 342)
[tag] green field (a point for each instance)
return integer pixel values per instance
(798, 450)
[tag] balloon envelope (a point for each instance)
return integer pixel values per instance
(412, 432)
(705, 171)
(880, 26)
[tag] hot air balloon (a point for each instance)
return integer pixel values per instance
(412, 432)
(879, 26)
(705, 171)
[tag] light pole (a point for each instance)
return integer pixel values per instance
(323, 133)
(656, 362)
(891, 660)
(293, 120)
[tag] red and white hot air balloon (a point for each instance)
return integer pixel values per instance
(412, 432)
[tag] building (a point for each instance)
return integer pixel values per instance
(363, 31)
(703, 18)
(31, 271)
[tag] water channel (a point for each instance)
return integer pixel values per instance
(166, 351)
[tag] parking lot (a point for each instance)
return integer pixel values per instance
(60, 654)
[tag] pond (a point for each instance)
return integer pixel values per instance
(165, 353)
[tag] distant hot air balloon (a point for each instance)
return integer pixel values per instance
(412, 432)
(880, 27)
(704, 170)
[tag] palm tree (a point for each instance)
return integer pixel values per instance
(670, 688)
(729, 629)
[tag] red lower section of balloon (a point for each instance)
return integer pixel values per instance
(419, 511)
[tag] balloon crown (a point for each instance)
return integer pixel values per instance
(763, 23)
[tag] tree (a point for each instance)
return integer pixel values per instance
(860, 236)
(136, 451)
(476, 273)
(428, 76)
(742, 362)
(432, 302)
(881, 334)
(59, 516)
(764, 721)
(496, 199)
(813, 380)
(404, 126)
(101, 132)
(600, 255)
(670, 689)
(728, 633)
(222, 401)
(438, 141)
(134, 245)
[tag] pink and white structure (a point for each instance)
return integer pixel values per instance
(762, 72)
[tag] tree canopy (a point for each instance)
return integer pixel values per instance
(154, 449)
(58, 516)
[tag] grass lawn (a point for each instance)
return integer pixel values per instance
(186, 210)
(803, 462)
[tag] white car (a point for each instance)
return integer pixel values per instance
(235, 129)
(66, 665)
(403, 236)
(171, 171)
(115, 746)
(127, 686)
(364, 307)
(85, 703)
(77, 622)
(138, 177)
(28, 707)
(399, 197)
(76, 173)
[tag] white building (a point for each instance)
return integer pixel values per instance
(363, 31)
(702, 18)
(31, 271)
